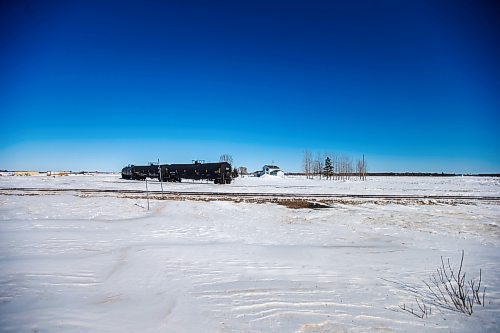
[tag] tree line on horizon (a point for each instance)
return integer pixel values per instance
(333, 166)
(323, 165)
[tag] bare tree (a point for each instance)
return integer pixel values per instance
(350, 168)
(365, 168)
(318, 165)
(361, 168)
(341, 162)
(359, 173)
(243, 171)
(226, 158)
(335, 162)
(345, 167)
(307, 163)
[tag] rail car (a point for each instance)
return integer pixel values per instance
(127, 172)
(140, 172)
(219, 173)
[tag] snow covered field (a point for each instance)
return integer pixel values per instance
(488, 186)
(71, 263)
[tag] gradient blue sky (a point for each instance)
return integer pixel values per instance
(95, 85)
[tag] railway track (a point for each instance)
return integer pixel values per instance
(245, 195)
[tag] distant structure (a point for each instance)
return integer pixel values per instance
(243, 171)
(271, 170)
(26, 173)
(58, 173)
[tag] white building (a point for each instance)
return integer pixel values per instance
(271, 170)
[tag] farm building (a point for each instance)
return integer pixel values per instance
(271, 170)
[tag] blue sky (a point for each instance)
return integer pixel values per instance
(95, 85)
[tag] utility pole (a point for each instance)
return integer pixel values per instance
(161, 180)
(147, 192)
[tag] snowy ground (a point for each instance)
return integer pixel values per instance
(105, 264)
(488, 186)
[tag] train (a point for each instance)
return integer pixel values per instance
(219, 173)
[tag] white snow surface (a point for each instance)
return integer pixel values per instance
(487, 186)
(71, 263)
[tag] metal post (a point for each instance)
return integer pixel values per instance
(161, 180)
(147, 192)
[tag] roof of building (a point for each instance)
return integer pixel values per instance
(271, 166)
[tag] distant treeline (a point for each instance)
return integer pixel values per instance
(64, 171)
(410, 174)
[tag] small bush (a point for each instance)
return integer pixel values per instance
(452, 291)
(446, 289)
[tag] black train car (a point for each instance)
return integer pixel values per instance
(140, 172)
(220, 173)
(127, 172)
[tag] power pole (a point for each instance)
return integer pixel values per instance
(161, 180)
(147, 192)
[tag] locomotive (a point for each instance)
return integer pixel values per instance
(219, 173)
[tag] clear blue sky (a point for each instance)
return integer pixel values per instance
(95, 85)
